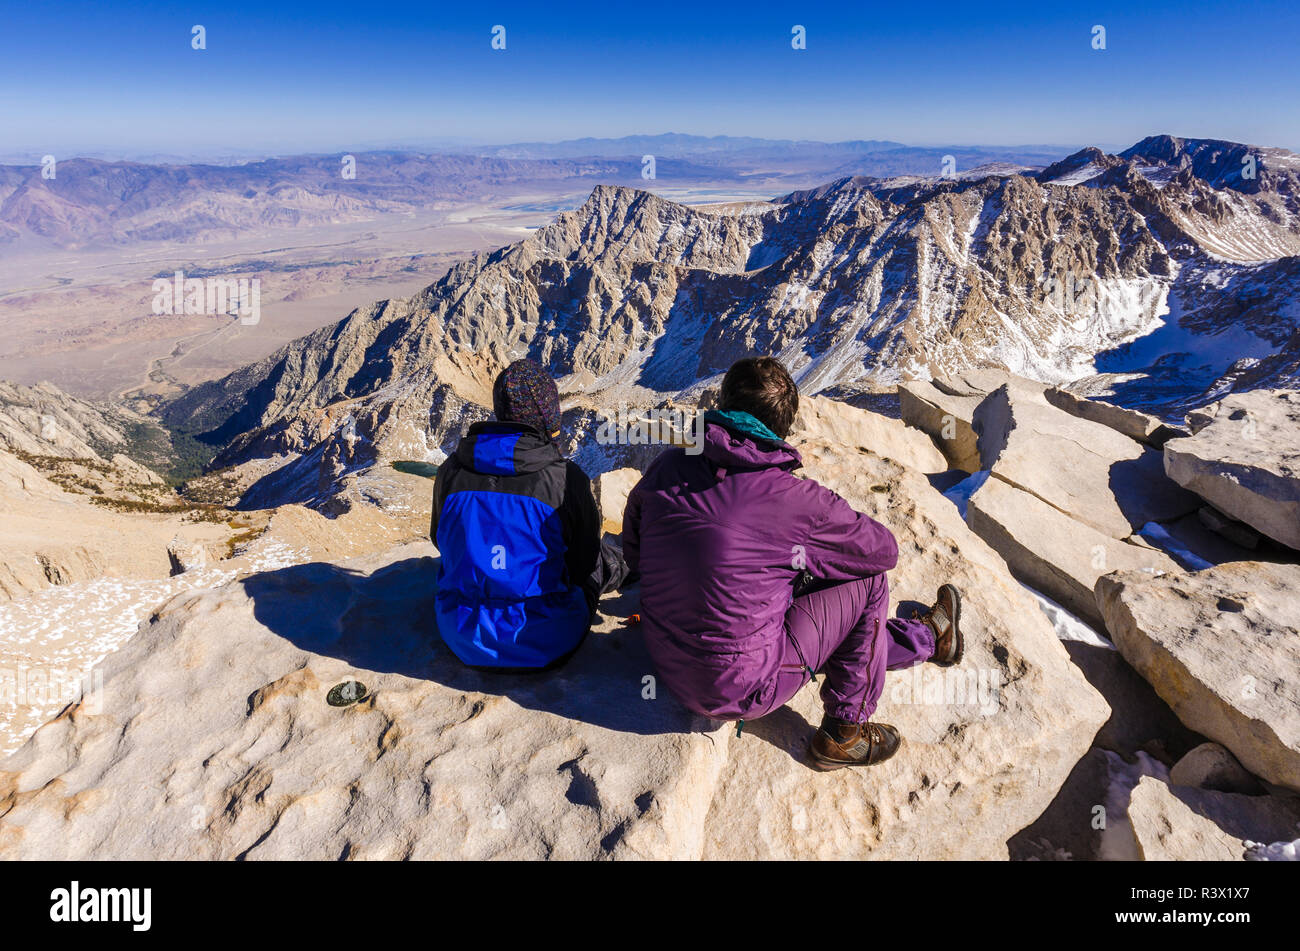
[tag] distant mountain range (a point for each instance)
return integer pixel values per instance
(877, 157)
(1161, 277)
(92, 202)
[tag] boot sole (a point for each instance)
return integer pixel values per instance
(826, 765)
(956, 626)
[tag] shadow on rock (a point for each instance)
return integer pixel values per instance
(1144, 494)
(384, 622)
(787, 730)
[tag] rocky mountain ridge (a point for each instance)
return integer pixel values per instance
(89, 202)
(1145, 284)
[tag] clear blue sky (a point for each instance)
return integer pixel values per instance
(308, 76)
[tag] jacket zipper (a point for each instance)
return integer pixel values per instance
(799, 650)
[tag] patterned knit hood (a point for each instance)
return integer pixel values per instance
(525, 393)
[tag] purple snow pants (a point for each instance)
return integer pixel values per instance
(845, 634)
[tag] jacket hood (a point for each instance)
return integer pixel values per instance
(506, 449)
(732, 441)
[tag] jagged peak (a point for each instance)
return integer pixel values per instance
(839, 186)
(606, 205)
(604, 198)
(1076, 162)
(1172, 149)
(1217, 161)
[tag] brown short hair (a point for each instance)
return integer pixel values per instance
(761, 387)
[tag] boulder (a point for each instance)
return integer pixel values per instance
(860, 429)
(1089, 819)
(1210, 766)
(1245, 461)
(1198, 419)
(1089, 471)
(64, 631)
(981, 382)
(1051, 552)
(945, 407)
(1132, 423)
(1058, 835)
(212, 735)
(222, 700)
(185, 556)
(945, 417)
(1222, 648)
(1180, 823)
(612, 489)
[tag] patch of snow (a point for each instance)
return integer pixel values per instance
(1273, 852)
(1118, 843)
(1068, 626)
(59, 634)
(1157, 175)
(1078, 176)
(959, 495)
(1165, 335)
(1155, 533)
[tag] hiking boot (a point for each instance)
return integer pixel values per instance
(944, 618)
(839, 744)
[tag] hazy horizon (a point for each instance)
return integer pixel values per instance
(31, 156)
(325, 77)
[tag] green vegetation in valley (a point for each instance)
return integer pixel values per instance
(190, 457)
(244, 533)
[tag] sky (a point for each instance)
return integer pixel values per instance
(328, 76)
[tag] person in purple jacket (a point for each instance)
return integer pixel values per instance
(753, 580)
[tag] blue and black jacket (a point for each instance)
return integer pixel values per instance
(519, 534)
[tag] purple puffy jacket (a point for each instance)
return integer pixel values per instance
(719, 539)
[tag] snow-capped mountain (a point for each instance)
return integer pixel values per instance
(1151, 277)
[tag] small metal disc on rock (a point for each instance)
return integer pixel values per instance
(346, 693)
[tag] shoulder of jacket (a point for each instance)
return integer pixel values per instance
(811, 489)
(449, 466)
(672, 455)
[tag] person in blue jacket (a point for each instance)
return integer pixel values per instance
(520, 535)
